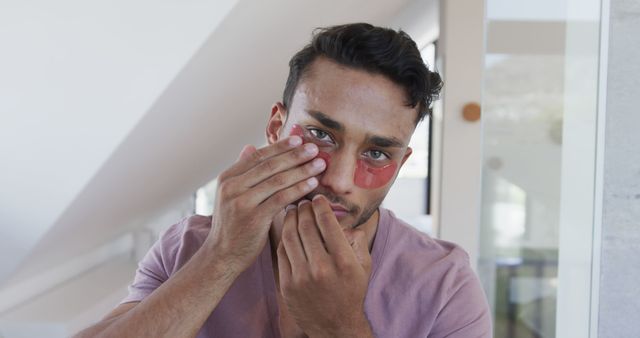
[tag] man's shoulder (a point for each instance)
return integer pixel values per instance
(196, 225)
(433, 267)
(427, 281)
(192, 229)
(405, 240)
(181, 240)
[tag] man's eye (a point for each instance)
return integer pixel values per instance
(319, 134)
(377, 155)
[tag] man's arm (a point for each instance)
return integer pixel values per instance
(250, 193)
(178, 308)
(107, 320)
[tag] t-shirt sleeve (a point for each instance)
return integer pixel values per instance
(466, 313)
(156, 266)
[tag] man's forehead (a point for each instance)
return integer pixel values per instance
(362, 101)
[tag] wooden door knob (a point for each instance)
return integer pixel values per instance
(471, 112)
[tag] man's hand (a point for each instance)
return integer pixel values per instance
(324, 278)
(252, 191)
(258, 186)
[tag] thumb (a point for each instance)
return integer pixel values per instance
(360, 247)
(246, 151)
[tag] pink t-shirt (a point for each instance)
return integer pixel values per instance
(419, 286)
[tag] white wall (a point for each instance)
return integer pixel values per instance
(619, 304)
(457, 199)
(76, 78)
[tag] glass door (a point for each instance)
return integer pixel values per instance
(540, 105)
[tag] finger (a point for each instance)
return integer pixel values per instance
(360, 247)
(284, 266)
(284, 180)
(291, 241)
(245, 163)
(330, 228)
(278, 164)
(246, 151)
(275, 203)
(310, 235)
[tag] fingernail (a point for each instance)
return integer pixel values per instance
(289, 207)
(303, 202)
(312, 182)
(310, 148)
(317, 163)
(295, 141)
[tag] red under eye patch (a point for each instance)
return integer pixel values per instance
(369, 177)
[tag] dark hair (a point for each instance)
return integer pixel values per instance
(374, 49)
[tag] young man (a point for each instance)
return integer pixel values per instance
(298, 244)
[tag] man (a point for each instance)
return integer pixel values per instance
(298, 245)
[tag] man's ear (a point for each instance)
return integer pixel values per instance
(276, 122)
(406, 156)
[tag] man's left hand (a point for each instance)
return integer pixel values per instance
(323, 275)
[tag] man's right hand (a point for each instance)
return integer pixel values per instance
(253, 191)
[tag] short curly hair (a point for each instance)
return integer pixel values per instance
(374, 49)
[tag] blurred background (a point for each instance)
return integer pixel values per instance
(116, 117)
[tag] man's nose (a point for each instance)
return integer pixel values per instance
(338, 176)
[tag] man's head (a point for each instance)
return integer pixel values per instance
(357, 91)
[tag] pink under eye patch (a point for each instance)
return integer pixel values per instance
(369, 177)
(364, 176)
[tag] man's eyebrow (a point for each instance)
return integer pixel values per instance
(380, 141)
(326, 120)
(385, 142)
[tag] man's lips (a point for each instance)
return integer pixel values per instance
(339, 210)
(338, 207)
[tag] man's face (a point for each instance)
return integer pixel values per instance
(361, 122)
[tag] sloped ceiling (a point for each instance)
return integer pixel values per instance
(219, 101)
(76, 78)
